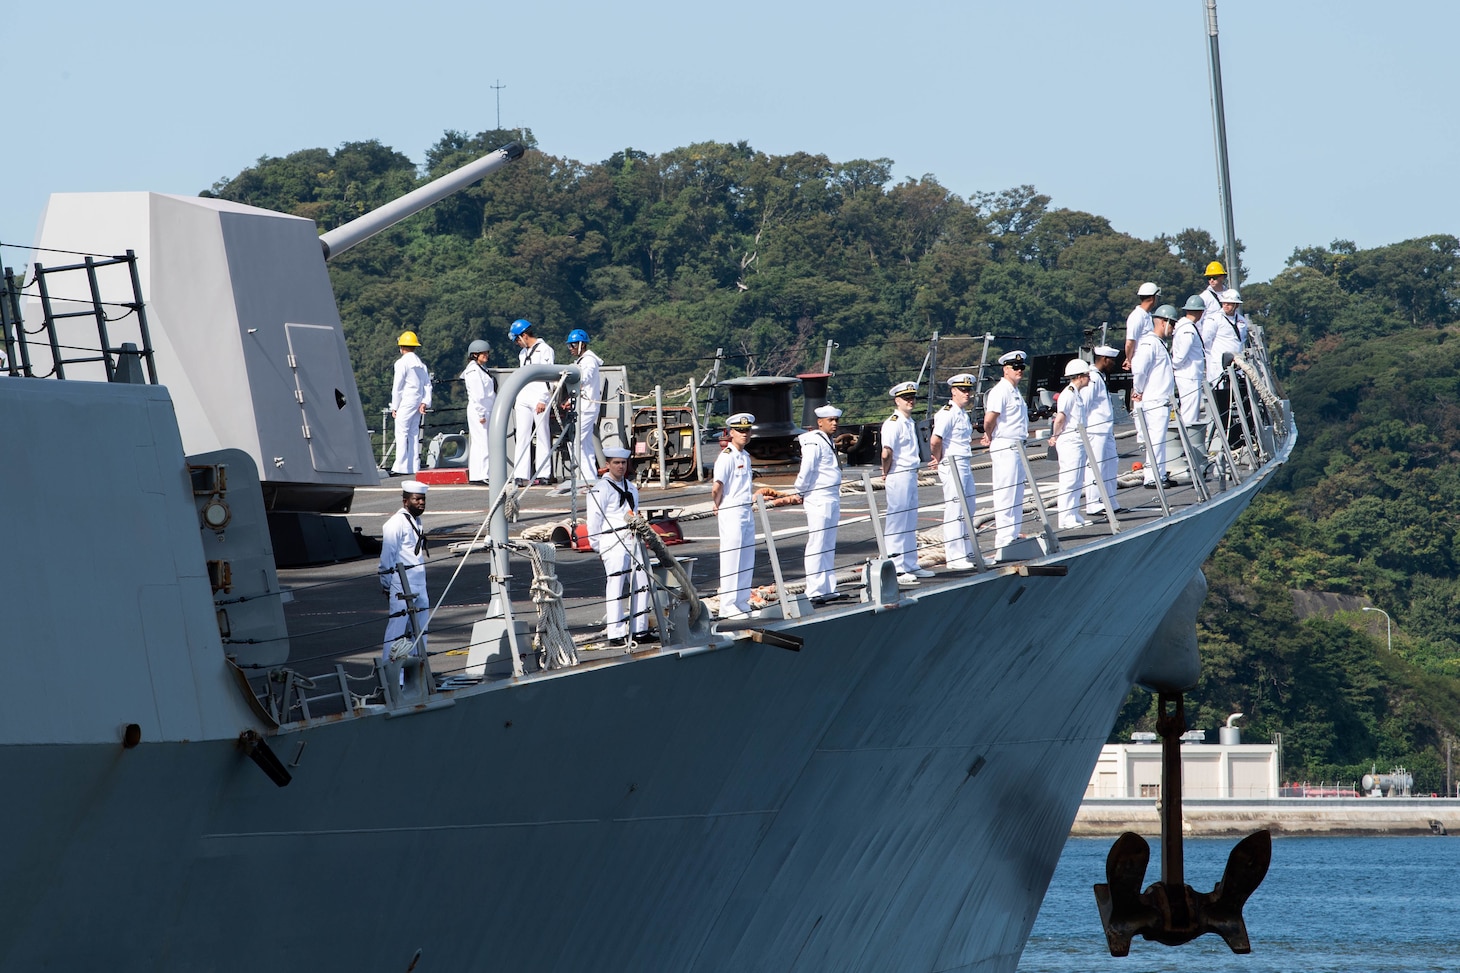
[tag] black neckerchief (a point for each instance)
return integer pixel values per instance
(422, 545)
(626, 497)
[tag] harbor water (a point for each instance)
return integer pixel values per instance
(1327, 904)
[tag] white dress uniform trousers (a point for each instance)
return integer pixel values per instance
(1070, 449)
(819, 483)
(402, 542)
(1100, 422)
(589, 389)
(736, 521)
(410, 390)
(1007, 472)
(624, 559)
(529, 421)
(481, 396)
(901, 436)
(1153, 377)
(955, 429)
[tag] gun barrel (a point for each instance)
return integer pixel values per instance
(342, 238)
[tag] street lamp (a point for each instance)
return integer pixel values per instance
(1388, 626)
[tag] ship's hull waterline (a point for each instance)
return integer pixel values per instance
(894, 796)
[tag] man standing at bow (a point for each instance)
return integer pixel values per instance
(1100, 421)
(952, 454)
(1005, 427)
(819, 484)
(900, 461)
(1152, 382)
(732, 501)
(403, 545)
(613, 499)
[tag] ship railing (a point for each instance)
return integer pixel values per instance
(70, 297)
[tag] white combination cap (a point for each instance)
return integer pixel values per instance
(1106, 351)
(1014, 358)
(1076, 366)
(1230, 296)
(1148, 289)
(413, 486)
(962, 380)
(903, 388)
(617, 452)
(828, 412)
(740, 420)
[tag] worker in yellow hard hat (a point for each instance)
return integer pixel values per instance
(410, 397)
(1216, 283)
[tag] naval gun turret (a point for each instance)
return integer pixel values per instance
(246, 335)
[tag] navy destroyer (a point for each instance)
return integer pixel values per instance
(883, 783)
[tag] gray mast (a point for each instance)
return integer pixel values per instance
(1219, 122)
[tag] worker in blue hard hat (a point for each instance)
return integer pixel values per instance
(589, 401)
(530, 408)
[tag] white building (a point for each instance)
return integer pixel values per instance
(1245, 771)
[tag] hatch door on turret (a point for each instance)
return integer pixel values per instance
(322, 384)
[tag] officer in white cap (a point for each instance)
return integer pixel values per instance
(819, 485)
(1005, 427)
(612, 500)
(403, 545)
(952, 455)
(900, 461)
(410, 398)
(1153, 383)
(481, 396)
(1069, 417)
(1139, 320)
(733, 503)
(1100, 422)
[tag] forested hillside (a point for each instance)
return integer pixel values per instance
(665, 258)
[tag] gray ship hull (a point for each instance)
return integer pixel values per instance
(892, 797)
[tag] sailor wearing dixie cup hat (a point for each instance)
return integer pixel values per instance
(731, 498)
(1005, 427)
(1100, 422)
(403, 545)
(1069, 417)
(612, 500)
(900, 462)
(952, 454)
(819, 484)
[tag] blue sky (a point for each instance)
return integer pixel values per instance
(1340, 114)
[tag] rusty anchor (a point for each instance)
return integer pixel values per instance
(1170, 911)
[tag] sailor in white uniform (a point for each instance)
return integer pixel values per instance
(530, 408)
(1069, 417)
(403, 544)
(819, 485)
(1153, 381)
(734, 508)
(1138, 322)
(1100, 421)
(952, 455)
(589, 365)
(1188, 359)
(900, 462)
(410, 397)
(1005, 427)
(1225, 333)
(610, 503)
(481, 395)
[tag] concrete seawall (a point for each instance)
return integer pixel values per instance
(1108, 817)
